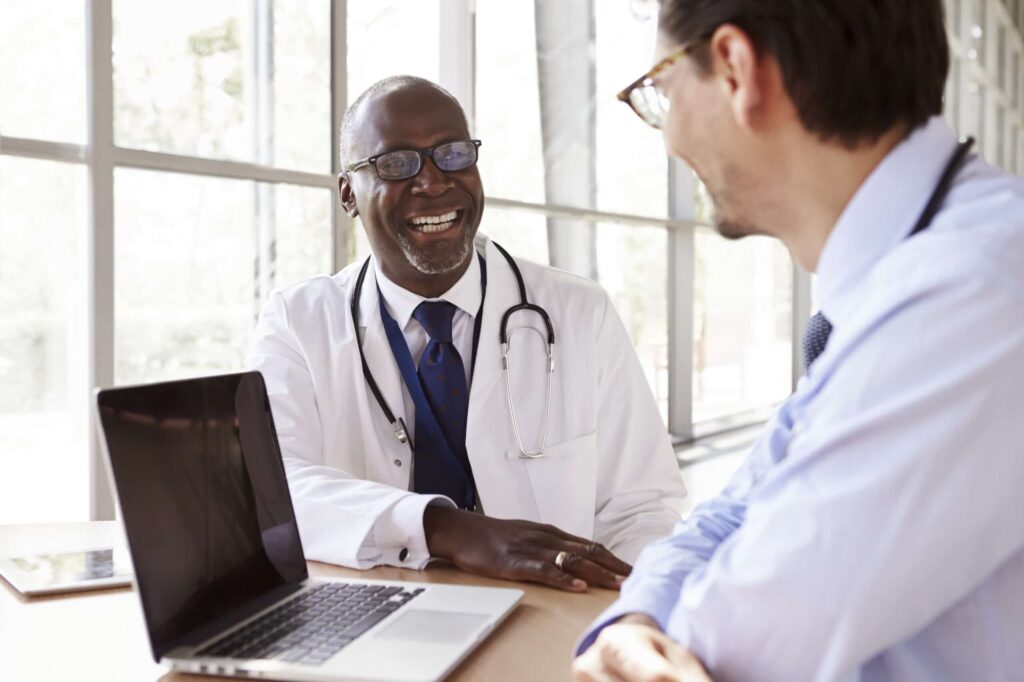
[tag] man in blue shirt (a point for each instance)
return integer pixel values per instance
(874, 532)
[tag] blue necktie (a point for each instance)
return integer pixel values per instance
(815, 338)
(443, 379)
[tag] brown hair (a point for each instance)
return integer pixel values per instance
(853, 68)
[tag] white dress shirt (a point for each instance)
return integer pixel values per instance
(608, 474)
(466, 295)
(875, 532)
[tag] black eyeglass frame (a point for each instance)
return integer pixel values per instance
(422, 151)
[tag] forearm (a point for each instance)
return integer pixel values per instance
(656, 583)
(657, 580)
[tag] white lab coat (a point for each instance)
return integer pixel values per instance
(608, 473)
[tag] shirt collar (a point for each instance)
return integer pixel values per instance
(881, 214)
(465, 294)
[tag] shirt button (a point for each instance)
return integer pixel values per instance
(398, 462)
(403, 555)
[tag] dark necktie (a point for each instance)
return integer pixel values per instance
(443, 379)
(815, 338)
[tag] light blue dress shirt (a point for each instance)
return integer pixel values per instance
(876, 530)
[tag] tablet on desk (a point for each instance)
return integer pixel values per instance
(91, 569)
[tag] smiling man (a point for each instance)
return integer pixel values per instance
(387, 385)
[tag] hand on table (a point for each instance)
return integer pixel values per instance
(520, 550)
(635, 649)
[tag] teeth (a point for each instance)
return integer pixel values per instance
(439, 227)
(435, 220)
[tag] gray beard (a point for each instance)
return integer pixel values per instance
(435, 264)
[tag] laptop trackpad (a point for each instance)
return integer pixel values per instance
(434, 626)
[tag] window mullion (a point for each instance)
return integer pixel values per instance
(342, 225)
(681, 292)
(98, 302)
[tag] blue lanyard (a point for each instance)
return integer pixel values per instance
(425, 415)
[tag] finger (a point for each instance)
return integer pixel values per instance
(596, 553)
(635, 654)
(590, 668)
(538, 571)
(687, 665)
(592, 573)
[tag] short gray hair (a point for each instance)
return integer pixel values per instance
(382, 87)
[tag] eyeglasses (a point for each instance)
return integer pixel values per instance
(645, 97)
(402, 164)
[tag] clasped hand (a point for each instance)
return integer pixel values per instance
(634, 649)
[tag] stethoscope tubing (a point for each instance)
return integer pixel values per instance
(524, 305)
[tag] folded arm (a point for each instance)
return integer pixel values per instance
(890, 506)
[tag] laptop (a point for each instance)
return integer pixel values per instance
(218, 562)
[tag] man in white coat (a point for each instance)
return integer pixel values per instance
(428, 314)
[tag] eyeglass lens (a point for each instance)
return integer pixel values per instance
(650, 104)
(405, 163)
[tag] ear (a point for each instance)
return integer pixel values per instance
(348, 197)
(741, 72)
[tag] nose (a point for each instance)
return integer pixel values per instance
(432, 181)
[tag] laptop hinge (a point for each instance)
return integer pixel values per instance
(200, 635)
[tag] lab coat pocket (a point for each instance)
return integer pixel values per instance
(564, 482)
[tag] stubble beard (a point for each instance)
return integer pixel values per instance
(439, 258)
(723, 215)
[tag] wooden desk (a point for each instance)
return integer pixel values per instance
(101, 635)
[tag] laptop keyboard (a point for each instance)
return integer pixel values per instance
(314, 626)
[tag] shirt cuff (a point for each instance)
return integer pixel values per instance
(649, 599)
(398, 533)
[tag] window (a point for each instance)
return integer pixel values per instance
(42, 70)
(632, 168)
(232, 80)
(219, 186)
(43, 389)
(560, 138)
(200, 240)
(523, 234)
(391, 37)
(186, 296)
(508, 119)
(742, 326)
(984, 93)
(633, 269)
(43, 384)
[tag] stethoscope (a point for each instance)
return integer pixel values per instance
(953, 166)
(524, 305)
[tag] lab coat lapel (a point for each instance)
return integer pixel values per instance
(502, 293)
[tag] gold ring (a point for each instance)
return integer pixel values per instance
(560, 559)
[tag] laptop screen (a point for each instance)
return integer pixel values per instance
(204, 498)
